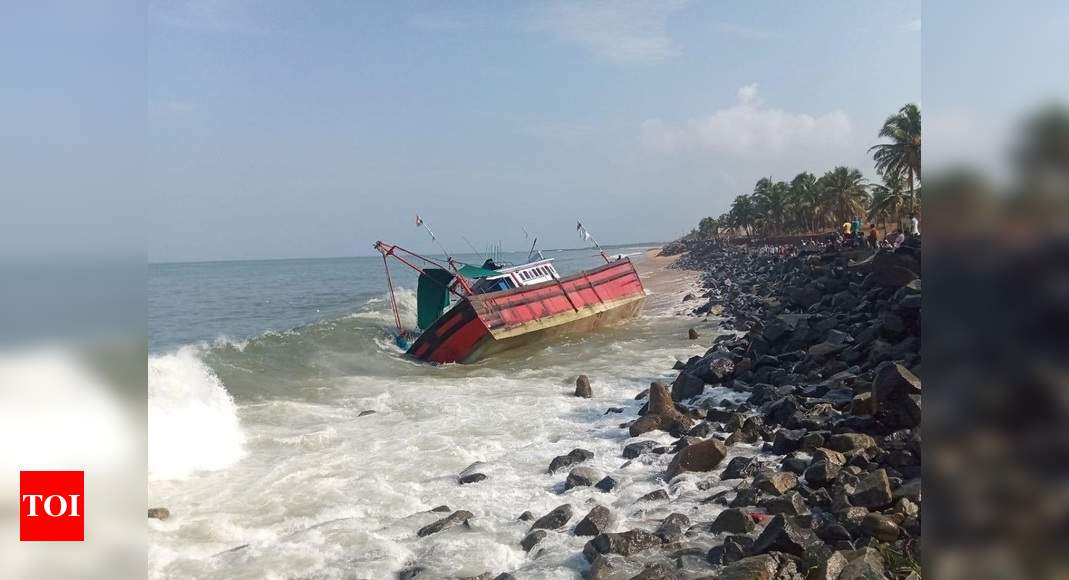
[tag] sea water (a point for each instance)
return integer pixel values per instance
(260, 377)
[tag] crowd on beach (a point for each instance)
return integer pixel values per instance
(853, 234)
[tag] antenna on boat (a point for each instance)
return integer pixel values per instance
(420, 222)
(527, 236)
(584, 234)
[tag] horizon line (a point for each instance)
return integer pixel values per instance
(224, 260)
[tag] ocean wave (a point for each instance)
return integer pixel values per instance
(192, 420)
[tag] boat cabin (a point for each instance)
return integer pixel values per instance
(518, 276)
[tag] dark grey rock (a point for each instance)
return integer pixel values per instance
(582, 387)
(582, 477)
(457, 518)
(573, 457)
(783, 535)
(686, 386)
(596, 522)
(655, 495)
(531, 539)
(623, 543)
(633, 450)
(472, 478)
(776, 483)
(789, 504)
(734, 521)
(740, 467)
(555, 519)
(606, 484)
(873, 491)
(672, 527)
(702, 456)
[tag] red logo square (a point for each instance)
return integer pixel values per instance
(52, 506)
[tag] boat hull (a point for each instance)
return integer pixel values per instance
(485, 324)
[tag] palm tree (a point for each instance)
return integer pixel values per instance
(771, 201)
(888, 200)
(845, 193)
(742, 213)
(709, 228)
(805, 199)
(902, 156)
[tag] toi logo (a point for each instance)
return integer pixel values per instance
(52, 506)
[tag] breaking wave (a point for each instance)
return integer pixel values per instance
(192, 420)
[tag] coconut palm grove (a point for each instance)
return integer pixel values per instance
(808, 204)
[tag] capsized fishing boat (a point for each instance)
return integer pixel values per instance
(502, 308)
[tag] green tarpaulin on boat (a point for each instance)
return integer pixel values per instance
(473, 272)
(432, 295)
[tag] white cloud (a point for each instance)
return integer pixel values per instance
(914, 25)
(625, 31)
(748, 128)
(747, 94)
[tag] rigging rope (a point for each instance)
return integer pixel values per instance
(393, 298)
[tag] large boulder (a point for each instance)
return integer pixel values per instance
(596, 522)
(825, 467)
(880, 527)
(890, 269)
(530, 540)
(739, 467)
(555, 519)
(776, 483)
(896, 395)
(762, 567)
(672, 527)
(623, 543)
(582, 387)
(661, 414)
(686, 386)
(457, 518)
(633, 450)
(582, 477)
(873, 491)
(863, 564)
(845, 442)
(473, 473)
(733, 521)
(782, 534)
(573, 457)
(702, 456)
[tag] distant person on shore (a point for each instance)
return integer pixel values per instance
(872, 236)
(914, 225)
(855, 225)
(847, 227)
(899, 238)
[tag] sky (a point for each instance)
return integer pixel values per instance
(282, 129)
(278, 129)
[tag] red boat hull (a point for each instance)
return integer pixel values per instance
(484, 324)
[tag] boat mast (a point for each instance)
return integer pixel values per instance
(584, 234)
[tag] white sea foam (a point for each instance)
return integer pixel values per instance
(192, 420)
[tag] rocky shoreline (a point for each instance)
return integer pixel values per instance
(813, 393)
